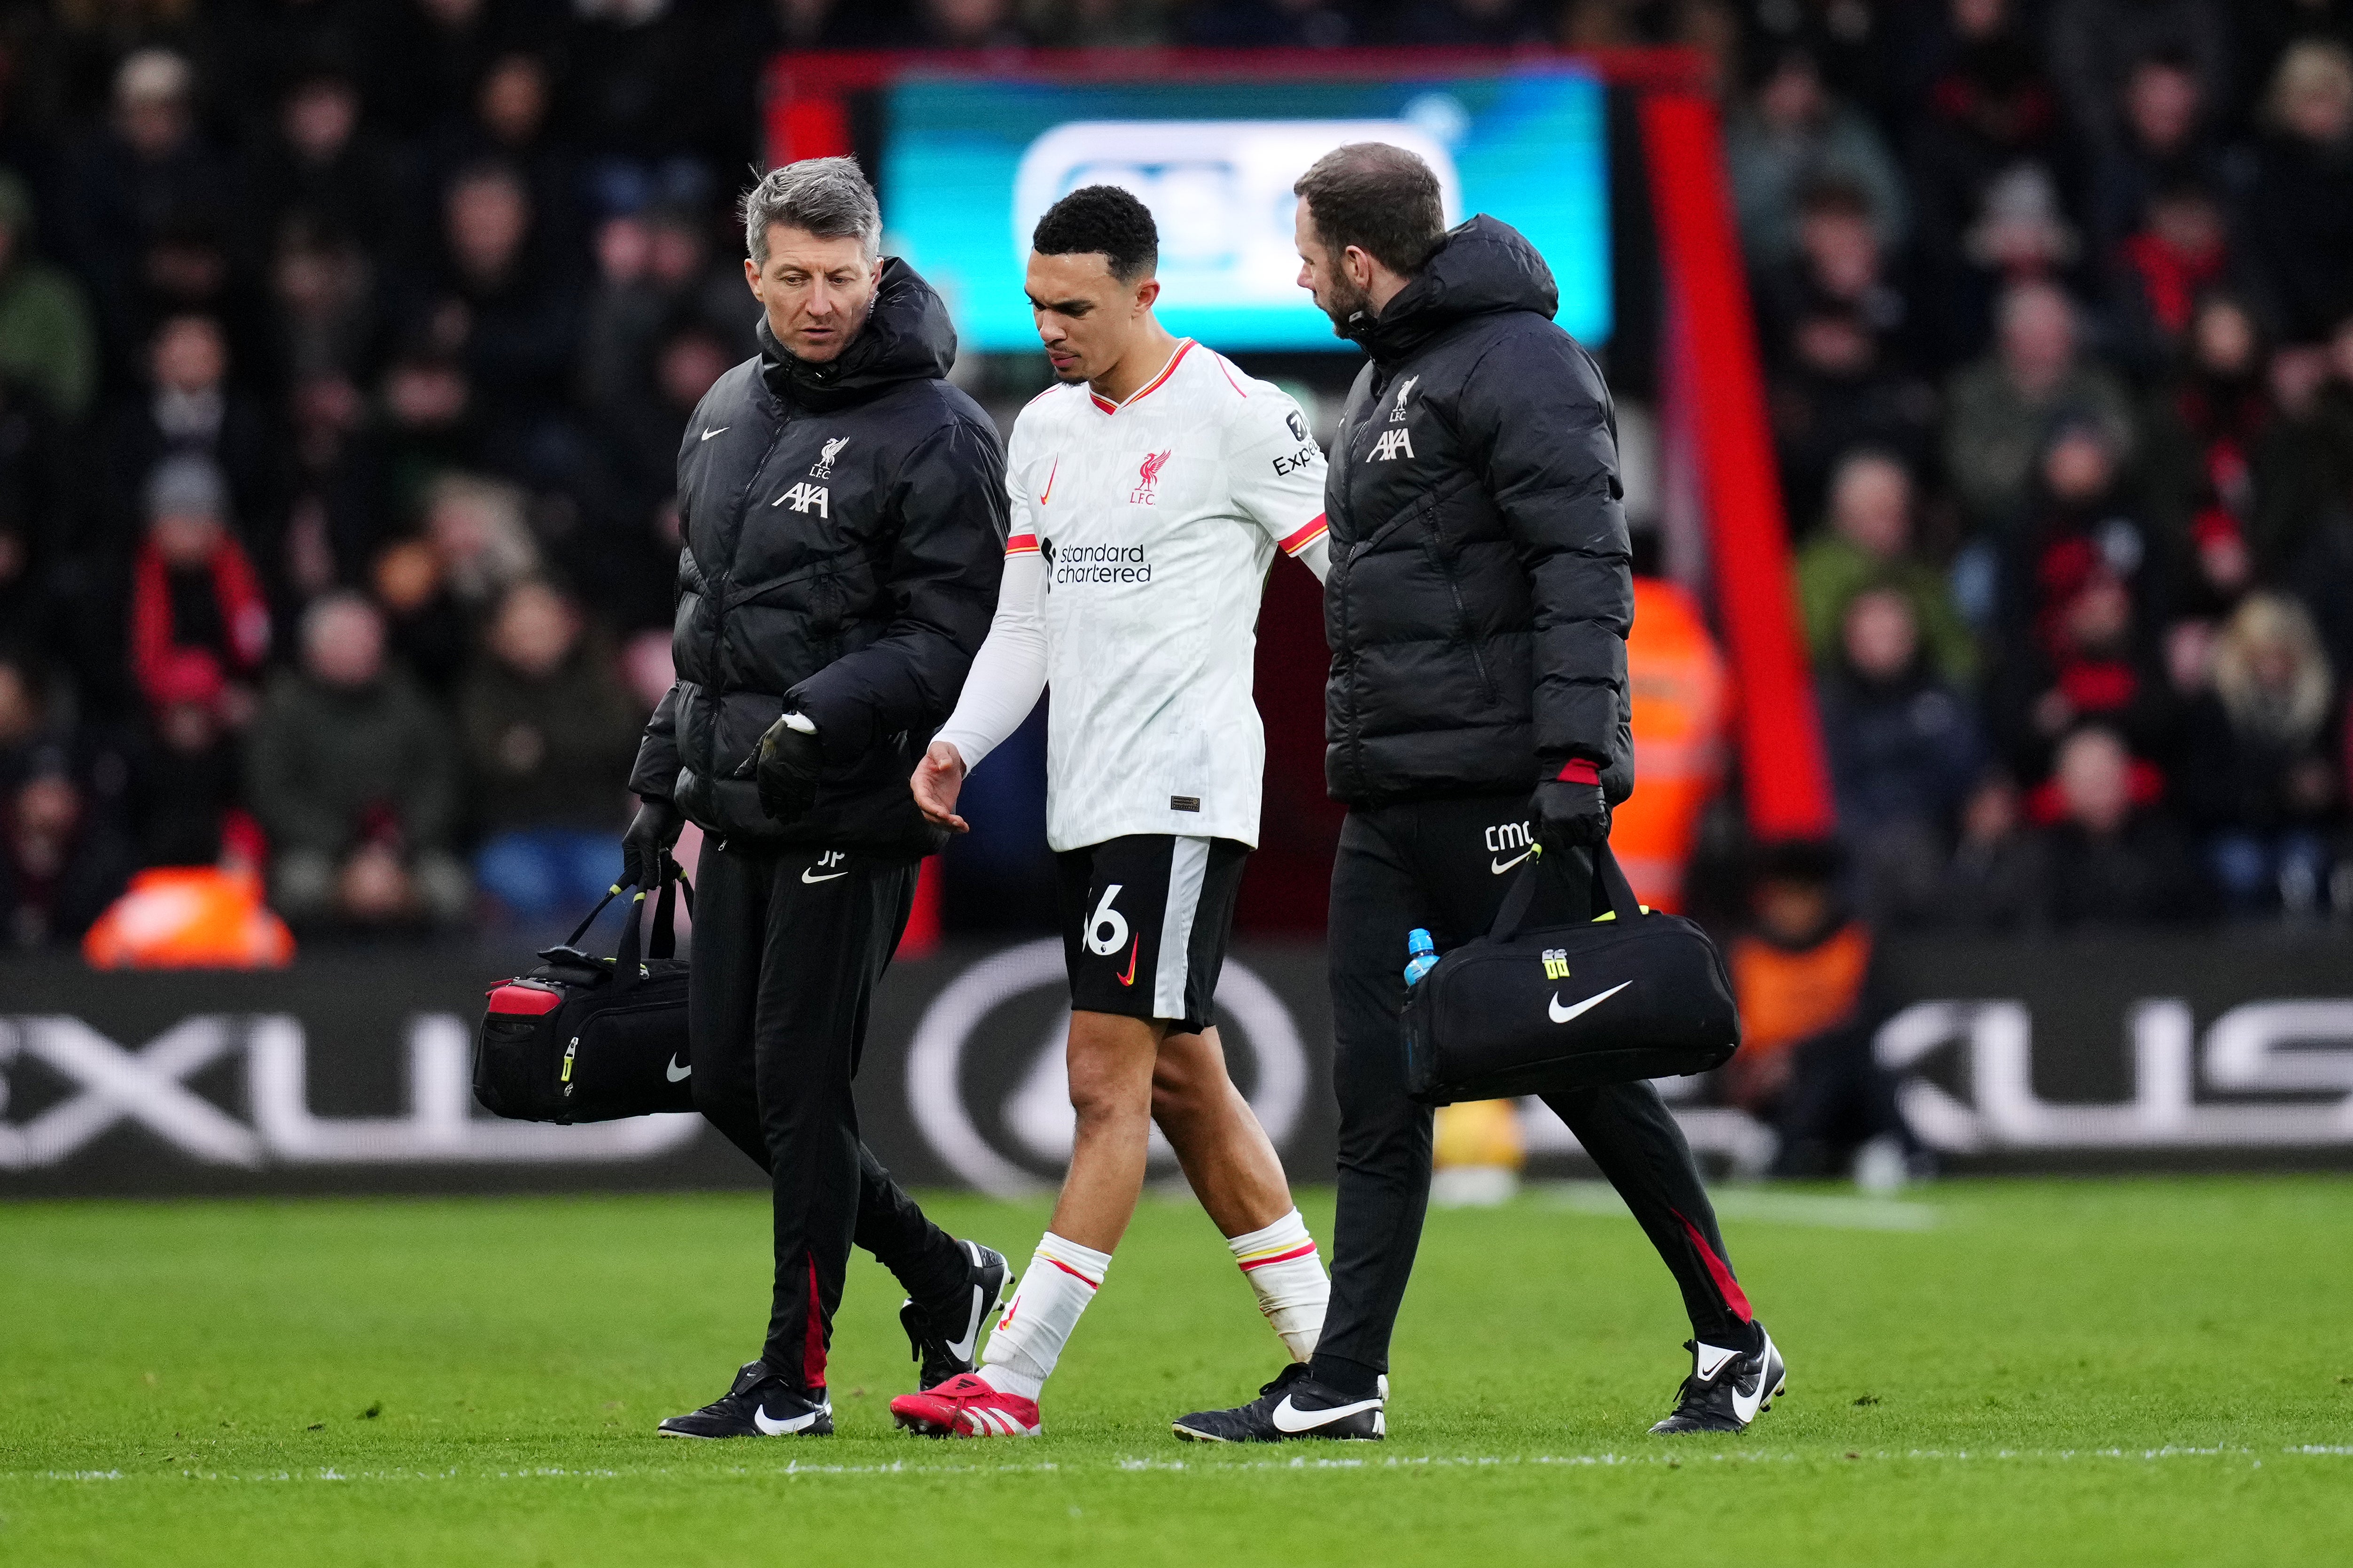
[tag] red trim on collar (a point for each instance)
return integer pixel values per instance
(1166, 371)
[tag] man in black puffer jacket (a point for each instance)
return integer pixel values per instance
(844, 511)
(1477, 608)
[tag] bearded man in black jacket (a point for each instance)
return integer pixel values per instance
(1477, 606)
(844, 511)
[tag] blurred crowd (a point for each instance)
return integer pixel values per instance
(2057, 306)
(344, 347)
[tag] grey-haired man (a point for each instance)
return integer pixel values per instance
(844, 511)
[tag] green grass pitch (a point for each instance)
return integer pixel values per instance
(2066, 1372)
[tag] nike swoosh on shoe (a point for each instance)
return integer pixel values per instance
(962, 1349)
(1289, 1418)
(1746, 1407)
(776, 1428)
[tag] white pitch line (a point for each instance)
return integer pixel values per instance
(1212, 1468)
(1762, 1205)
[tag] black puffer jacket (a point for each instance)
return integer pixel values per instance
(845, 530)
(1480, 592)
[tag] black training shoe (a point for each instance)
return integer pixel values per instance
(1727, 1390)
(962, 1312)
(761, 1405)
(1294, 1405)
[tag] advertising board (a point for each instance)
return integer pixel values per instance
(968, 166)
(353, 1074)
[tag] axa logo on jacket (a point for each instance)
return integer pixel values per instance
(1391, 443)
(806, 497)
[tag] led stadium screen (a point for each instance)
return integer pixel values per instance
(968, 165)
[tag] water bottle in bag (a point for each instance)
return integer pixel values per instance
(1420, 955)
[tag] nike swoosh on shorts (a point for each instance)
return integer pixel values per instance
(829, 876)
(676, 1073)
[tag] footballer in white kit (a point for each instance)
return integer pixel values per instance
(1150, 493)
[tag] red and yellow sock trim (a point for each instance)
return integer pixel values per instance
(1277, 1253)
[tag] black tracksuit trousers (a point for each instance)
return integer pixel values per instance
(790, 942)
(1444, 864)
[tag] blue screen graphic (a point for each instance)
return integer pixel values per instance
(969, 165)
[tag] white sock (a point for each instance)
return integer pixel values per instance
(1286, 1276)
(1027, 1340)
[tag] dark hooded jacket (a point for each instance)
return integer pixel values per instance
(1480, 592)
(844, 532)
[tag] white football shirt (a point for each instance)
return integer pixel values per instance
(1142, 535)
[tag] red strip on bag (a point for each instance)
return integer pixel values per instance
(530, 999)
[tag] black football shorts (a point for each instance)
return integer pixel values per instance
(1145, 923)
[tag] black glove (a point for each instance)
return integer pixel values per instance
(651, 833)
(787, 764)
(1570, 815)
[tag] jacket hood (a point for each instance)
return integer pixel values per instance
(907, 337)
(1481, 267)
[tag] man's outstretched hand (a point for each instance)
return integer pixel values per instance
(938, 780)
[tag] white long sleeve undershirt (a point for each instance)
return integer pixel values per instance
(1008, 674)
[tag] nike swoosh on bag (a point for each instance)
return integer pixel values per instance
(1289, 1418)
(829, 876)
(1500, 866)
(1561, 1015)
(676, 1073)
(775, 1428)
(707, 435)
